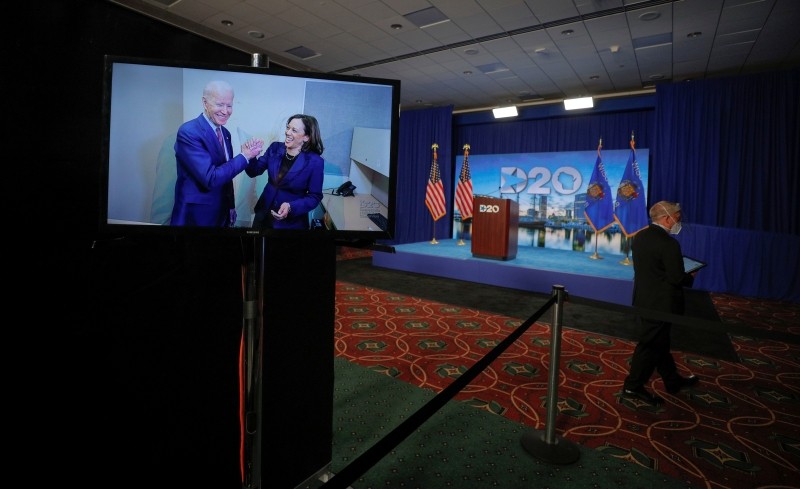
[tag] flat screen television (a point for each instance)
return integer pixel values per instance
(146, 100)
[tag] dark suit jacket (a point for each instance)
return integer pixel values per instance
(204, 189)
(658, 276)
(301, 187)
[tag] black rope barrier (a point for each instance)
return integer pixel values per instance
(375, 453)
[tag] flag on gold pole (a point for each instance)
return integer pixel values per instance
(464, 199)
(630, 208)
(434, 194)
(599, 210)
(464, 188)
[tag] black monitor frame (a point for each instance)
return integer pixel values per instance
(145, 100)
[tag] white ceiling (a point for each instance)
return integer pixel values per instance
(491, 53)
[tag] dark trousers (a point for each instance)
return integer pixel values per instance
(652, 353)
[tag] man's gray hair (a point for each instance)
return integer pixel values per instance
(663, 208)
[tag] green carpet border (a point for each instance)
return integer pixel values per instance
(459, 446)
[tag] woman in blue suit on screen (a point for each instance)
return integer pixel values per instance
(295, 169)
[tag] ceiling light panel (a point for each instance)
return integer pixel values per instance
(426, 17)
(578, 103)
(302, 52)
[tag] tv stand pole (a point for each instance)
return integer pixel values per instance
(290, 400)
(250, 367)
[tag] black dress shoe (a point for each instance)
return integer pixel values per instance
(682, 383)
(642, 394)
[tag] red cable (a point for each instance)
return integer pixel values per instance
(241, 390)
(241, 406)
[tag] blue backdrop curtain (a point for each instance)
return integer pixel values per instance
(419, 130)
(729, 151)
(579, 133)
(731, 147)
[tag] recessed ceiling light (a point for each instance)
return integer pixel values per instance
(226, 23)
(648, 16)
(594, 77)
(493, 68)
(567, 32)
(656, 76)
(540, 50)
(510, 111)
(471, 52)
(256, 34)
(426, 17)
(578, 103)
(302, 52)
(694, 34)
(467, 72)
(396, 27)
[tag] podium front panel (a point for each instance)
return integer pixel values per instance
(495, 223)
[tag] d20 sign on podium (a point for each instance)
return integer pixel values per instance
(495, 223)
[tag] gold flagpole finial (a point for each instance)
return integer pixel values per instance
(466, 147)
(435, 146)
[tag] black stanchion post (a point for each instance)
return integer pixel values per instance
(546, 445)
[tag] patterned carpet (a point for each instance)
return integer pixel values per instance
(739, 428)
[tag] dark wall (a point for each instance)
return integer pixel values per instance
(61, 63)
(134, 340)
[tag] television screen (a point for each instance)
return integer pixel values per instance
(164, 168)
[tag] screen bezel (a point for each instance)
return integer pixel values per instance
(120, 227)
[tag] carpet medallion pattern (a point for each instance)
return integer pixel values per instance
(738, 428)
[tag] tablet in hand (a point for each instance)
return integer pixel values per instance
(692, 265)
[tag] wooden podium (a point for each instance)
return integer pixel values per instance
(495, 223)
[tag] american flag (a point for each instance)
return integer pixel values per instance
(464, 188)
(434, 194)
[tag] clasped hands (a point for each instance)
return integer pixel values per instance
(252, 148)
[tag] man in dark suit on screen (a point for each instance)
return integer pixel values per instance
(658, 282)
(206, 165)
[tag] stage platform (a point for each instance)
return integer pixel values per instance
(533, 269)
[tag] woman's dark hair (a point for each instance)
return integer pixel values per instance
(314, 143)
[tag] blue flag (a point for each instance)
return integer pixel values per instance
(599, 210)
(630, 208)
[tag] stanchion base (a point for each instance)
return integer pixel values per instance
(561, 452)
(626, 262)
(433, 241)
(460, 242)
(595, 256)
